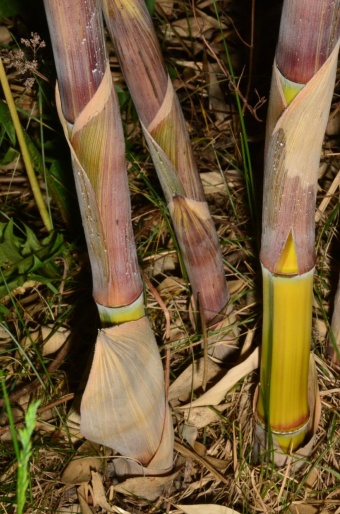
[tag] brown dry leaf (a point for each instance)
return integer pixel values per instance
(189, 433)
(4, 335)
(217, 101)
(320, 212)
(303, 508)
(5, 35)
(99, 497)
(333, 125)
(82, 495)
(321, 328)
(195, 26)
(80, 468)
(163, 263)
(32, 337)
(54, 339)
(236, 286)
(206, 509)
(17, 415)
(217, 393)
(212, 182)
(200, 448)
(191, 379)
(201, 417)
(166, 6)
(149, 488)
(217, 463)
(171, 287)
(312, 477)
(43, 422)
(191, 454)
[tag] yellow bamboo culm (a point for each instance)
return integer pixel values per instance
(283, 398)
(283, 401)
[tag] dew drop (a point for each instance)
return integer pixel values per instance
(278, 148)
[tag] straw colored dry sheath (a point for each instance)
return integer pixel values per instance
(102, 187)
(143, 66)
(198, 242)
(291, 169)
(127, 370)
(297, 118)
(165, 130)
(300, 97)
(91, 120)
(126, 386)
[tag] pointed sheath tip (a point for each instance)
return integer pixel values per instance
(197, 238)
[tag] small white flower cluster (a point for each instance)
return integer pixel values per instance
(35, 43)
(18, 60)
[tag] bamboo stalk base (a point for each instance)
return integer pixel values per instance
(269, 448)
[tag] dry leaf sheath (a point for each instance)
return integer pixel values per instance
(164, 127)
(127, 372)
(301, 92)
